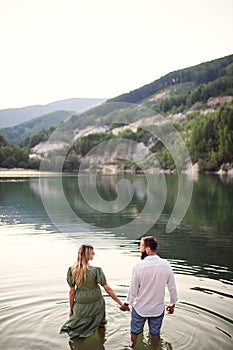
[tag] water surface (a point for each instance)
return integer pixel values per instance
(34, 258)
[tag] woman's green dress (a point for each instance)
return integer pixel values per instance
(89, 305)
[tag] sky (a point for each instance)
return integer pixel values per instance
(57, 49)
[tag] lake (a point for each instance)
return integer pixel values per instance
(42, 228)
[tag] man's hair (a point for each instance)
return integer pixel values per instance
(150, 242)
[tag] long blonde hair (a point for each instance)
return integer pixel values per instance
(81, 265)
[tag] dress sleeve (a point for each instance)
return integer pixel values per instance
(69, 278)
(101, 279)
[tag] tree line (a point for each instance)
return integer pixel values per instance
(12, 156)
(199, 74)
(222, 86)
(211, 144)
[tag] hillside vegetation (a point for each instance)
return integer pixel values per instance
(197, 101)
(24, 131)
(211, 144)
(197, 75)
(12, 156)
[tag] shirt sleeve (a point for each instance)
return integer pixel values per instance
(69, 278)
(100, 277)
(171, 284)
(133, 289)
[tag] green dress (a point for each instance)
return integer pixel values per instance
(89, 305)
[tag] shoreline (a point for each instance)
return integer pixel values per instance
(20, 172)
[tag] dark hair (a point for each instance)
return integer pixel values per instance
(150, 242)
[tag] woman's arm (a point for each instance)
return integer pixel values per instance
(112, 294)
(71, 297)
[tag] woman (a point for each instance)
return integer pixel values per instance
(87, 305)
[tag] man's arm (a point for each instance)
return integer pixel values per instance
(132, 291)
(171, 284)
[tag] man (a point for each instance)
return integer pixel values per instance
(147, 291)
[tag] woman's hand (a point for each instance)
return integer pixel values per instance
(124, 307)
(71, 313)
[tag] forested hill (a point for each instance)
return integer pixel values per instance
(26, 130)
(200, 74)
(198, 101)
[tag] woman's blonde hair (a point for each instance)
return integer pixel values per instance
(81, 266)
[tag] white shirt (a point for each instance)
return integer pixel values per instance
(147, 289)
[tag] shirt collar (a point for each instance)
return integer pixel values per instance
(151, 256)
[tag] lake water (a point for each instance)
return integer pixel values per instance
(37, 246)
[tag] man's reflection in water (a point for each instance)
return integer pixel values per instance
(96, 342)
(148, 342)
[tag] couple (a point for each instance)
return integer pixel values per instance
(146, 294)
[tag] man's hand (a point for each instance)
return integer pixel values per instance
(124, 307)
(170, 309)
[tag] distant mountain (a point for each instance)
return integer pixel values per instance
(16, 134)
(15, 116)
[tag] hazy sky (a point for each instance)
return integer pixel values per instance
(57, 49)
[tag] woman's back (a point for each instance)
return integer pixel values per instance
(89, 291)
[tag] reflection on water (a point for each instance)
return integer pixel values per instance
(34, 296)
(34, 258)
(95, 342)
(98, 340)
(200, 245)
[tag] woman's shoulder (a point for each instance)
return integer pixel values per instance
(69, 277)
(69, 269)
(95, 268)
(99, 274)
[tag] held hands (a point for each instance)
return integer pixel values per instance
(124, 307)
(170, 309)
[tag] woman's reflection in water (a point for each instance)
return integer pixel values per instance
(96, 342)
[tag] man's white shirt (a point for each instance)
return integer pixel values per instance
(147, 289)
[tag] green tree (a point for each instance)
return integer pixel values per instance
(71, 163)
(3, 141)
(211, 143)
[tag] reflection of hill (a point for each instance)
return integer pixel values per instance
(205, 234)
(202, 241)
(106, 187)
(212, 199)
